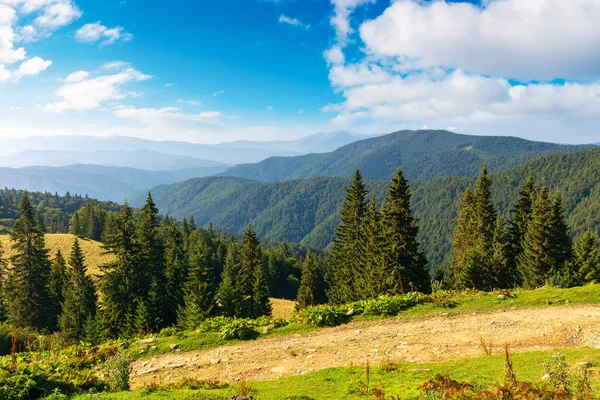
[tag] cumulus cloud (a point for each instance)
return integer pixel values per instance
(292, 21)
(49, 15)
(526, 40)
(341, 17)
(31, 67)
(195, 103)
(96, 32)
(81, 91)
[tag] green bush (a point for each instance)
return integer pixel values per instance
(116, 372)
(323, 315)
(388, 305)
(168, 332)
(237, 329)
(279, 322)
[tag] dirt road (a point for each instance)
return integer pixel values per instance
(435, 339)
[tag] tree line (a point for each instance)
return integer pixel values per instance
(164, 273)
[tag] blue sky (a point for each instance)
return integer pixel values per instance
(209, 71)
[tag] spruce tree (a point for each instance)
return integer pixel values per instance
(347, 259)
(176, 270)
(118, 283)
(562, 245)
(374, 278)
(199, 298)
(141, 325)
(463, 242)
(150, 276)
(503, 274)
(307, 293)
(536, 261)
(250, 260)
(520, 217)
(57, 283)
(228, 296)
(404, 260)
(260, 293)
(80, 298)
(27, 295)
(586, 258)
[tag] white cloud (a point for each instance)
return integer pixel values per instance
(165, 116)
(81, 92)
(292, 21)
(31, 67)
(334, 55)
(220, 92)
(341, 17)
(169, 85)
(526, 40)
(270, 108)
(50, 16)
(195, 103)
(96, 32)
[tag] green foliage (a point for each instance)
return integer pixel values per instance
(388, 305)
(117, 370)
(307, 294)
(323, 315)
(237, 329)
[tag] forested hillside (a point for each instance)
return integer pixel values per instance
(422, 155)
(307, 211)
(97, 181)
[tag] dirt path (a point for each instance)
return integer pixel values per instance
(436, 339)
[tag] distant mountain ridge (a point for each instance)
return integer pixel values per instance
(306, 211)
(100, 182)
(229, 153)
(423, 155)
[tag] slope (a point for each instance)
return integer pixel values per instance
(423, 155)
(306, 211)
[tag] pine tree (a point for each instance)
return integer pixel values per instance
(27, 294)
(175, 274)
(347, 259)
(57, 282)
(250, 260)
(404, 260)
(587, 258)
(118, 283)
(502, 274)
(374, 280)
(227, 295)
(536, 261)
(75, 225)
(260, 293)
(141, 324)
(463, 242)
(150, 276)
(562, 245)
(307, 294)
(199, 298)
(79, 297)
(520, 217)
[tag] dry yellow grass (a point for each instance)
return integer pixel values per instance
(283, 308)
(92, 250)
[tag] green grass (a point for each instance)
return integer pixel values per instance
(341, 383)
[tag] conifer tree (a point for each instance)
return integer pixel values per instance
(118, 283)
(347, 259)
(175, 274)
(374, 278)
(141, 325)
(250, 260)
(260, 293)
(587, 258)
(404, 260)
(80, 298)
(307, 293)
(27, 295)
(75, 225)
(463, 241)
(150, 276)
(536, 261)
(57, 282)
(562, 245)
(199, 298)
(228, 295)
(520, 217)
(503, 275)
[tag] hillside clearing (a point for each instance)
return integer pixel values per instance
(92, 250)
(437, 339)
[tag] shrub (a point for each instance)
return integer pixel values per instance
(442, 298)
(236, 329)
(324, 315)
(389, 305)
(279, 322)
(116, 372)
(168, 332)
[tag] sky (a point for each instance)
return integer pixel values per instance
(213, 71)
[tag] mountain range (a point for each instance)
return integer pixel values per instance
(422, 155)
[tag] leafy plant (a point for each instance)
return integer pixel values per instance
(236, 329)
(116, 372)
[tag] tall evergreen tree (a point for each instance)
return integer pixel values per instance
(463, 241)
(150, 275)
(27, 295)
(57, 282)
(587, 258)
(347, 259)
(250, 260)
(307, 294)
(536, 261)
(521, 215)
(199, 298)
(80, 298)
(374, 280)
(562, 245)
(503, 274)
(176, 270)
(228, 295)
(118, 286)
(404, 260)
(260, 293)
